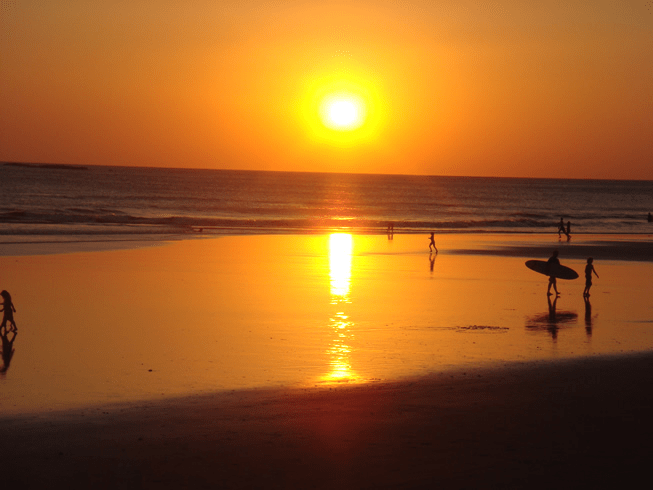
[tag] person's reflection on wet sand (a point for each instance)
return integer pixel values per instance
(552, 320)
(588, 316)
(7, 347)
(553, 327)
(432, 261)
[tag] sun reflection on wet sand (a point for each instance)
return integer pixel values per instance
(339, 351)
(340, 251)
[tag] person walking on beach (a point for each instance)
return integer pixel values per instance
(8, 308)
(589, 268)
(432, 243)
(561, 227)
(551, 267)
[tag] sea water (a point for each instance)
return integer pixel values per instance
(101, 200)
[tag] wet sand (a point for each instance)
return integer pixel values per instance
(287, 366)
(199, 316)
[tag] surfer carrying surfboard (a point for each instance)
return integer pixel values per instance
(551, 265)
(553, 269)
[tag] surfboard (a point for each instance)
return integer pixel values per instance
(561, 271)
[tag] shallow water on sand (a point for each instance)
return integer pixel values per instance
(240, 312)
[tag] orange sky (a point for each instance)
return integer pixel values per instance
(454, 87)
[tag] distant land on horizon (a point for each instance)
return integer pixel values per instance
(59, 166)
(74, 166)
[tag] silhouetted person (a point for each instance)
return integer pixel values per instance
(561, 228)
(552, 266)
(8, 308)
(432, 243)
(7, 348)
(568, 230)
(589, 268)
(391, 230)
(650, 218)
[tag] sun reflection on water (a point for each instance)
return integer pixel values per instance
(339, 351)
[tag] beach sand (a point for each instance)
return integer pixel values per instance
(576, 424)
(296, 362)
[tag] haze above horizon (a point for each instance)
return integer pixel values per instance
(474, 88)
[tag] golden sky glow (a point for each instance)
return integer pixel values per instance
(457, 87)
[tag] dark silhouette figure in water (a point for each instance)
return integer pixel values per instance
(650, 218)
(568, 231)
(561, 228)
(8, 308)
(391, 230)
(432, 243)
(589, 268)
(551, 268)
(431, 262)
(7, 348)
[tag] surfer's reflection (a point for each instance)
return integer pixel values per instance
(432, 261)
(551, 321)
(8, 336)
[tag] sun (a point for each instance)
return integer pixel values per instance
(342, 111)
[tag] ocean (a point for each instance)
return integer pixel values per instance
(44, 199)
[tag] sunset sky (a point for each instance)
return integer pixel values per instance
(453, 87)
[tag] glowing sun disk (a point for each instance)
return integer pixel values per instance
(343, 112)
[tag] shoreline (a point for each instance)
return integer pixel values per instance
(607, 246)
(570, 424)
(602, 247)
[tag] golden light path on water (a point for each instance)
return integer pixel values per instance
(340, 258)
